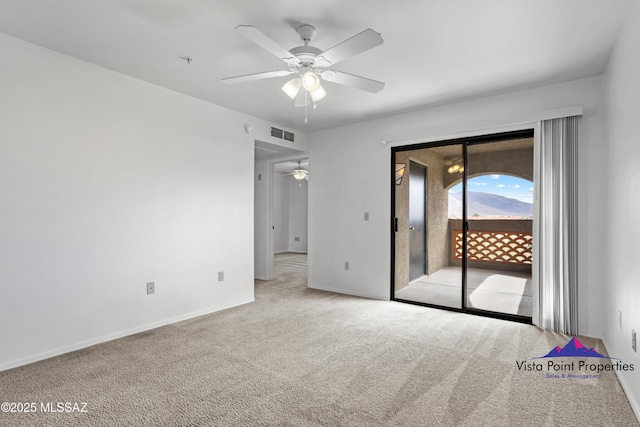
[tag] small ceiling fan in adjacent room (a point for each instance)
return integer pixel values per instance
(299, 173)
(308, 64)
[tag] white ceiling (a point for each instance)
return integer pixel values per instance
(434, 51)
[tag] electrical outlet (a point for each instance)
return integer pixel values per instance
(220, 276)
(151, 288)
(346, 265)
(366, 216)
(633, 340)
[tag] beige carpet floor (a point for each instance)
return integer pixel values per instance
(301, 357)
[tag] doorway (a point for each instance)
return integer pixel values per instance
(272, 161)
(478, 214)
(290, 207)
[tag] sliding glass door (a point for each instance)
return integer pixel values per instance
(424, 271)
(499, 208)
(472, 249)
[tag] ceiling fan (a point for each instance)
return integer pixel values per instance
(299, 173)
(309, 64)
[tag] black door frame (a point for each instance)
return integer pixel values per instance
(464, 142)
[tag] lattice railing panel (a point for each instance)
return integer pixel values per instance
(508, 247)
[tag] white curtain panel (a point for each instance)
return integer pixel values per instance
(556, 228)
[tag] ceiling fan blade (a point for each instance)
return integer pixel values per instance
(264, 41)
(347, 79)
(257, 76)
(359, 43)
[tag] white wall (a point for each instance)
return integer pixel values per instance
(622, 202)
(298, 214)
(351, 175)
(263, 236)
(290, 214)
(107, 183)
(281, 213)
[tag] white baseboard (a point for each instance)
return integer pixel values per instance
(347, 292)
(109, 337)
(635, 406)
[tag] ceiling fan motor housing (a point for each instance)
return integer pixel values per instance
(306, 54)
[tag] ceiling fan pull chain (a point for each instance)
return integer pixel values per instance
(306, 103)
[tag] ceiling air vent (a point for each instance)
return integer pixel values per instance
(282, 134)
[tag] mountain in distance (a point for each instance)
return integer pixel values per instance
(488, 204)
(574, 348)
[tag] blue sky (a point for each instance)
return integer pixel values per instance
(504, 185)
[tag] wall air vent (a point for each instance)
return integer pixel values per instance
(282, 134)
(288, 136)
(276, 133)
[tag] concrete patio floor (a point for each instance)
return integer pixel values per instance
(492, 290)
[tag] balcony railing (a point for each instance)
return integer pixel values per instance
(493, 243)
(509, 247)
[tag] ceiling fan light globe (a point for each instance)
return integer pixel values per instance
(299, 174)
(310, 81)
(318, 94)
(292, 87)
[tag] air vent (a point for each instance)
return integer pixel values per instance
(282, 134)
(276, 133)
(288, 136)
